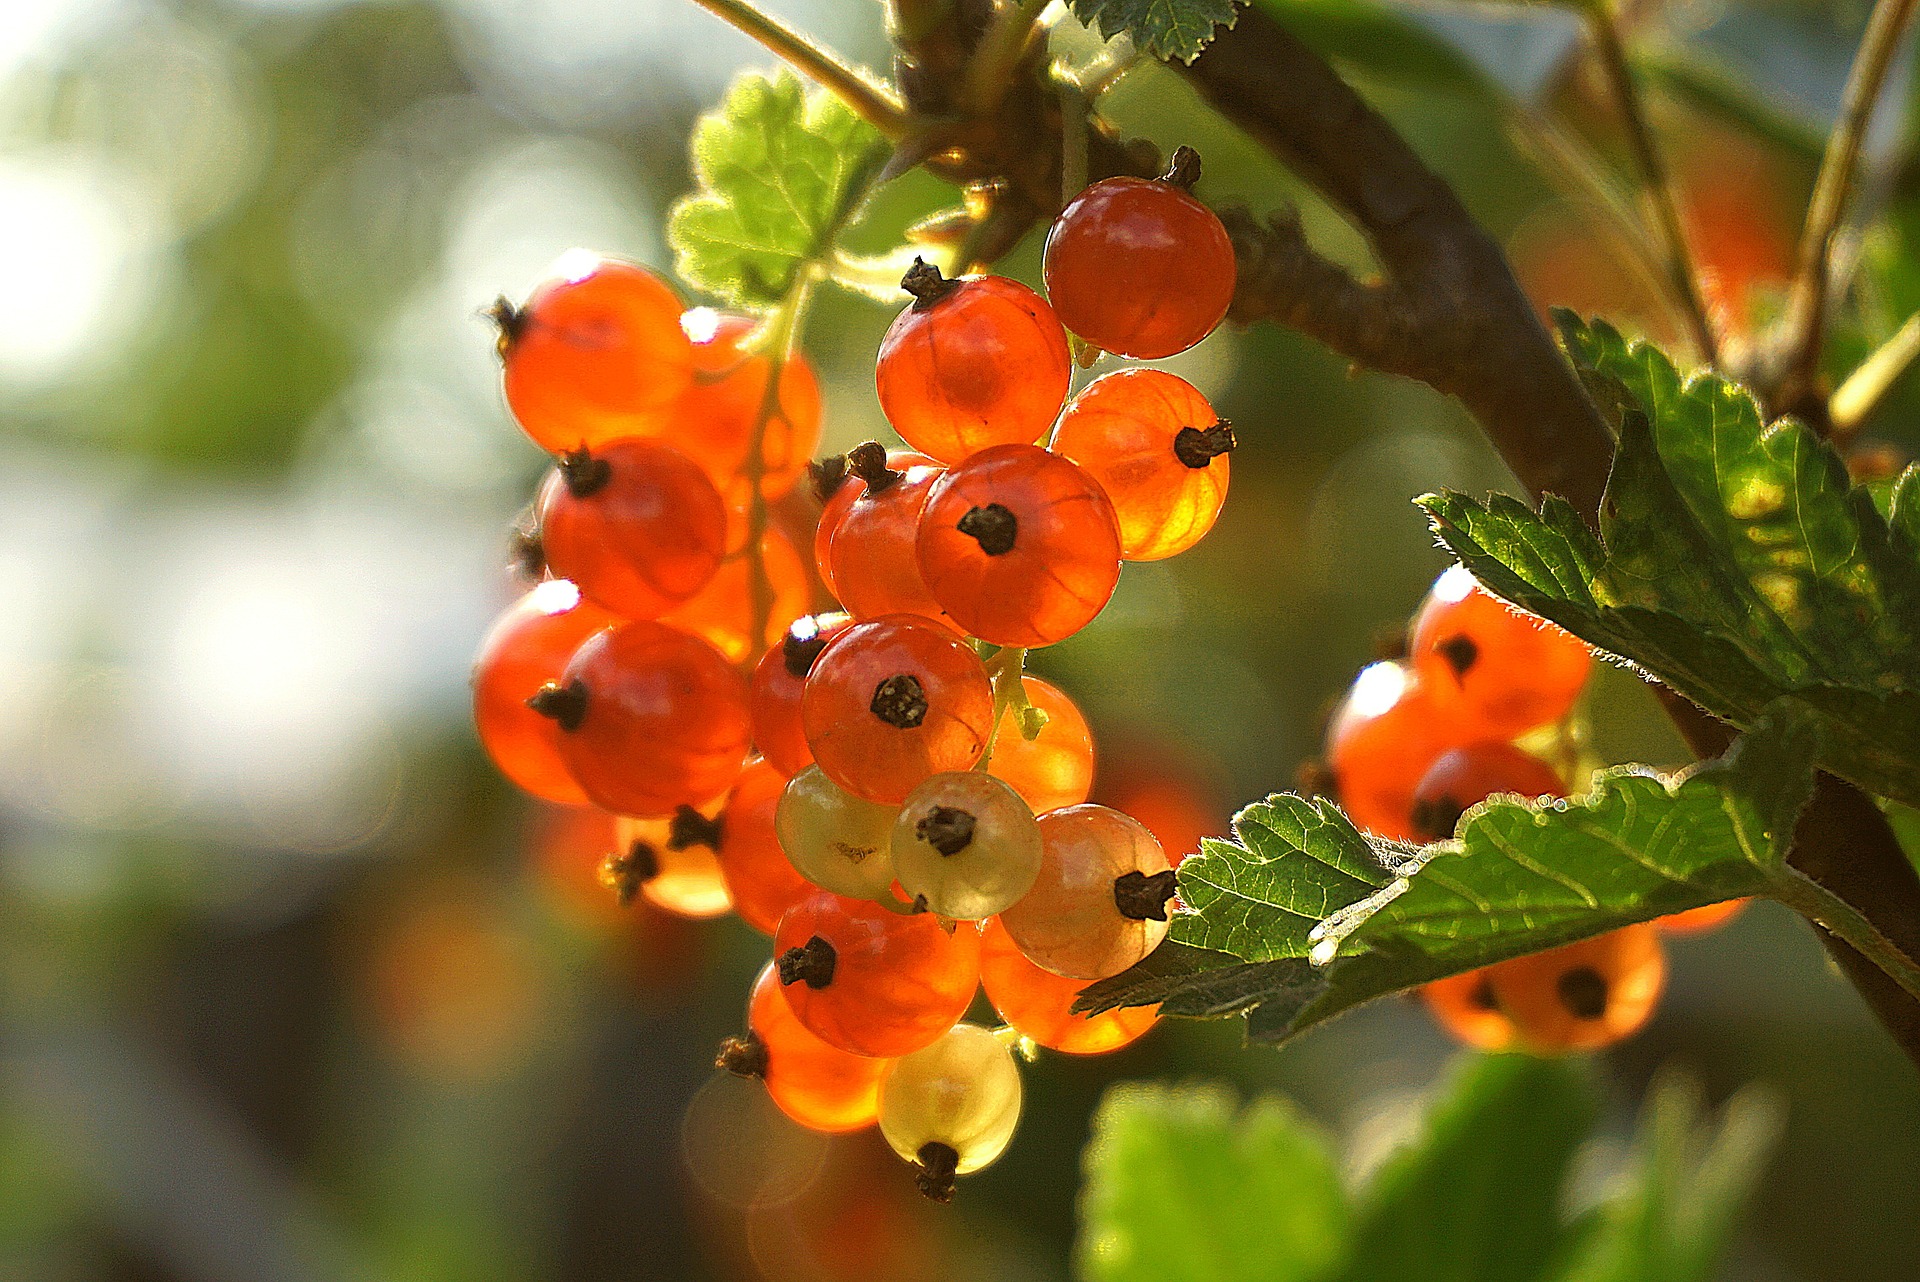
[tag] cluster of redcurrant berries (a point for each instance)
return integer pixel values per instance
(1416, 742)
(906, 817)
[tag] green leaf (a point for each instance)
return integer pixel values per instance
(1683, 1198)
(1160, 28)
(779, 171)
(1477, 1198)
(1302, 917)
(1735, 562)
(1184, 1186)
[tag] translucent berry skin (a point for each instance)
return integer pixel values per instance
(714, 419)
(898, 982)
(1064, 558)
(665, 722)
(1698, 921)
(965, 845)
(1054, 769)
(985, 364)
(1467, 1007)
(1139, 267)
(874, 556)
(1069, 923)
(1585, 995)
(1465, 777)
(1038, 1003)
(687, 880)
(1381, 741)
(879, 747)
(1122, 430)
(841, 501)
(762, 883)
(595, 353)
(833, 839)
(963, 1091)
(1494, 672)
(527, 647)
(645, 539)
(779, 679)
(722, 612)
(817, 1085)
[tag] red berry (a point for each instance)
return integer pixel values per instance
(635, 524)
(1585, 995)
(714, 419)
(873, 550)
(1139, 267)
(1158, 450)
(1497, 672)
(893, 701)
(873, 981)
(758, 875)
(1020, 546)
(722, 613)
(651, 719)
(594, 354)
(1054, 769)
(839, 501)
(816, 1084)
(971, 363)
(526, 648)
(779, 679)
(1464, 777)
(1037, 1003)
(1465, 1005)
(1381, 741)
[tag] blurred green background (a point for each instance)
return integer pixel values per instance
(295, 987)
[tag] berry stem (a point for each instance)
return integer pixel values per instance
(991, 69)
(1005, 669)
(779, 336)
(868, 100)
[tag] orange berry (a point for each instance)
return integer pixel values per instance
(1381, 741)
(1493, 671)
(1464, 777)
(1465, 1006)
(1037, 1002)
(527, 647)
(671, 862)
(779, 680)
(1099, 904)
(1585, 995)
(1054, 769)
(722, 613)
(813, 1082)
(714, 419)
(758, 875)
(872, 553)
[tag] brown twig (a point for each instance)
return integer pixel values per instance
(1450, 313)
(870, 101)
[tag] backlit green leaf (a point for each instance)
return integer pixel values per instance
(1160, 28)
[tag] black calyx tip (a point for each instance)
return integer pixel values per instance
(1435, 818)
(800, 647)
(938, 1163)
(828, 475)
(743, 1056)
(948, 829)
(868, 461)
(1143, 898)
(811, 964)
(1482, 996)
(1183, 171)
(625, 871)
(1583, 991)
(924, 281)
(900, 701)
(993, 527)
(509, 320)
(584, 474)
(689, 827)
(1460, 653)
(1198, 446)
(566, 704)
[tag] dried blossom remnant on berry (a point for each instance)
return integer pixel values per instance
(1183, 170)
(1196, 447)
(1143, 898)
(584, 474)
(868, 461)
(828, 475)
(625, 872)
(511, 322)
(689, 827)
(565, 704)
(994, 527)
(948, 829)
(743, 1056)
(938, 1163)
(924, 281)
(1583, 991)
(1460, 653)
(900, 701)
(812, 964)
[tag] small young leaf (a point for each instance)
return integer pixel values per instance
(1477, 1198)
(1302, 917)
(1735, 562)
(1160, 28)
(1689, 1184)
(1185, 1186)
(779, 170)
